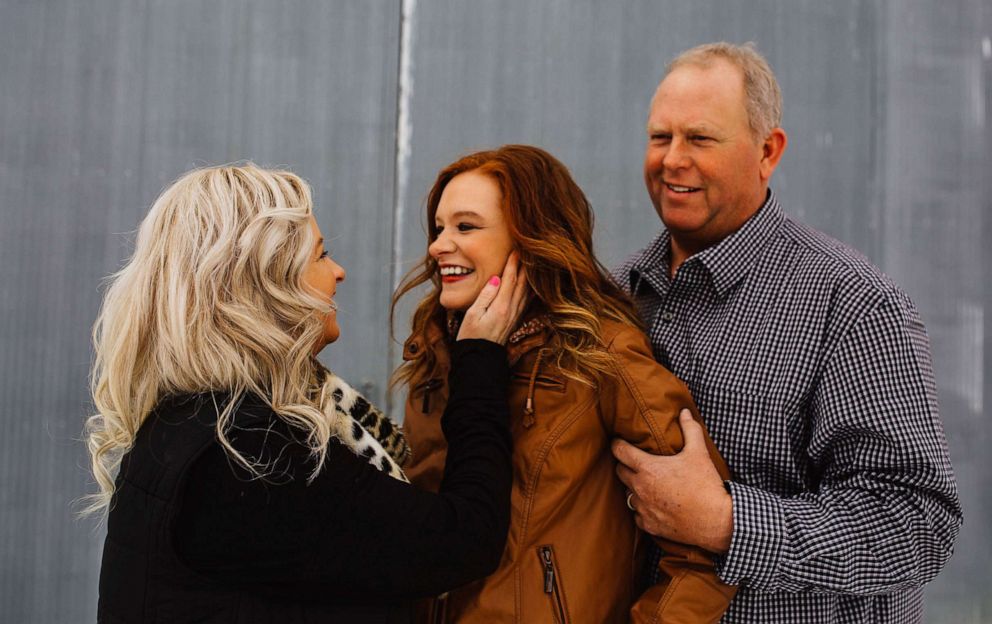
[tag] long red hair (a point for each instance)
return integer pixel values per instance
(550, 222)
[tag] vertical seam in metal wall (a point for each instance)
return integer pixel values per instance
(985, 25)
(141, 206)
(241, 68)
(401, 173)
(879, 72)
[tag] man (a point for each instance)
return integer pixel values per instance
(811, 369)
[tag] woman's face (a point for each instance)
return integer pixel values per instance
(473, 240)
(323, 275)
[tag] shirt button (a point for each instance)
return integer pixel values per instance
(667, 316)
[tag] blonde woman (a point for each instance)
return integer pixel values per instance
(244, 482)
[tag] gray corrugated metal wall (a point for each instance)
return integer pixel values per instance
(103, 103)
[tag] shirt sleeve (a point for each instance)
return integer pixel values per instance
(354, 533)
(881, 511)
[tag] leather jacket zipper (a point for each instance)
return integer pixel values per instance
(551, 581)
(429, 386)
(439, 609)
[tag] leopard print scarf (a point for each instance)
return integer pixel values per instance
(361, 427)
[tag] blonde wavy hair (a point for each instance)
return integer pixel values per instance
(551, 224)
(213, 299)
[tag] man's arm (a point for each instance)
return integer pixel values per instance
(679, 497)
(881, 509)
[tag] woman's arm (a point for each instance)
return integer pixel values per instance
(354, 533)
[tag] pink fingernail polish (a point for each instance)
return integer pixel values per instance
(494, 280)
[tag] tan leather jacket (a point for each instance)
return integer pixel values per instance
(573, 553)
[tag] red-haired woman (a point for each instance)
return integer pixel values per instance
(582, 374)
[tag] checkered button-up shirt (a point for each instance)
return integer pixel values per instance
(812, 372)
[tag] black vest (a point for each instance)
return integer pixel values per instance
(142, 579)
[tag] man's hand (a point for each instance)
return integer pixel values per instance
(678, 497)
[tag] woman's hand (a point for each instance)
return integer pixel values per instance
(499, 305)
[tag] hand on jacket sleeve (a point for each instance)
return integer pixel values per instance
(642, 407)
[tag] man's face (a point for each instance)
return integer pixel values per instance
(704, 170)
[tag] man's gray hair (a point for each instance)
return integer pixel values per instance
(763, 98)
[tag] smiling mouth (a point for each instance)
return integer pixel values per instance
(675, 188)
(455, 271)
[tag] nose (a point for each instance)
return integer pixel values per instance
(676, 156)
(339, 272)
(442, 244)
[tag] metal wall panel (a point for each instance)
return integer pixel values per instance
(935, 166)
(104, 103)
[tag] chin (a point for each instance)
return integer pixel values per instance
(680, 219)
(455, 303)
(331, 334)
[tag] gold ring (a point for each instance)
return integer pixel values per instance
(630, 505)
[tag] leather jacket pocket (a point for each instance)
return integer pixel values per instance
(552, 584)
(534, 381)
(549, 382)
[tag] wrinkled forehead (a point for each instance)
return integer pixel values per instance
(715, 73)
(700, 96)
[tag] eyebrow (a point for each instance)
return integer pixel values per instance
(696, 129)
(319, 244)
(464, 213)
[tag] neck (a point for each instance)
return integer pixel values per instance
(684, 247)
(681, 251)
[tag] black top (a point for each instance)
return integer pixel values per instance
(352, 536)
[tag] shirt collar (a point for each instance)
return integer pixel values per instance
(727, 262)
(732, 258)
(650, 266)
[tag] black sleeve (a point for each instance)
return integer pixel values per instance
(354, 533)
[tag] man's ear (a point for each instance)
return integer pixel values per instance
(771, 152)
